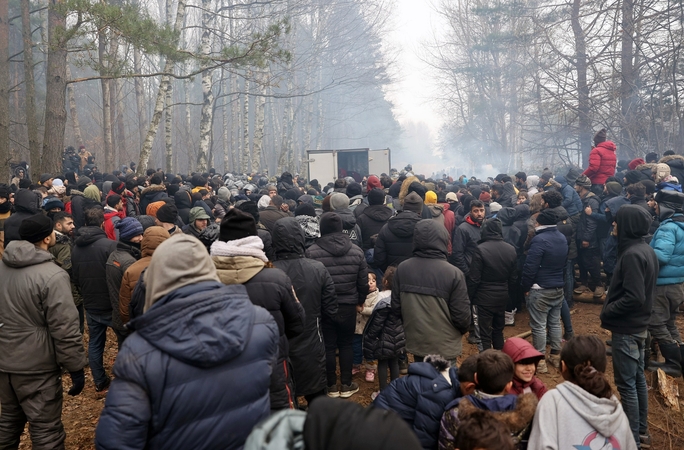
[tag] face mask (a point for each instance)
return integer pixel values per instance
(5, 207)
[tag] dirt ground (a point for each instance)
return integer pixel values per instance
(81, 413)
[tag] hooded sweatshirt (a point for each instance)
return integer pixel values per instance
(26, 204)
(570, 417)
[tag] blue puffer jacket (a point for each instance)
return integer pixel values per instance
(571, 200)
(545, 263)
(420, 398)
(668, 244)
(195, 374)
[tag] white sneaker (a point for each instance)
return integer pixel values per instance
(541, 367)
(509, 320)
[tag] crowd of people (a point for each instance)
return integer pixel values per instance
(233, 297)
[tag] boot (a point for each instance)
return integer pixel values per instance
(673, 360)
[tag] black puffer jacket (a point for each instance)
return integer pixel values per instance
(511, 234)
(370, 221)
(346, 264)
(265, 237)
(395, 240)
(26, 204)
(349, 226)
(184, 205)
(464, 245)
(316, 292)
(586, 229)
(88, 268)
(522, 214)
(151, 194)
(493, 273)
(383, 337)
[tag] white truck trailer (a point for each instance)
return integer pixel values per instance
(328, 165)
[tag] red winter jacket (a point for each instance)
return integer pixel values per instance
(602, 162)
(110, 223)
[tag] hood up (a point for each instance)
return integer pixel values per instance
(182, 199)
(403, 224)
(430, 240)
(288, 238)
(87, 235)
(348, 219)
(560, 179)
(491, 230)
(20, 254)
(522, 212)
(603, 414)
(379, 213)
(152, 238)
(506, 216)
(337, 244)
(633, 223)
(153, 189)
(436, 210)
(237, 269)
(27, 201)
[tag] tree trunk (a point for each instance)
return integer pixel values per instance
(139, 96)
(106, 103)
(4, 92)
(234, 124)
(30, 93)
(226, 122)
(245, 128)
(168, 108)
(207, 119)
(55, 92)
(146, 149)
(124, 157)
(583, 106)
(628, 82)
(259, 112)
(72, 109)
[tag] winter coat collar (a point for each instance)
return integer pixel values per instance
(20, 254)
(237, 269)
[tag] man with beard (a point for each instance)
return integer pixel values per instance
(64, 234)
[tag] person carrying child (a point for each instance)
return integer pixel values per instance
(383, 337)
(525, 358)
(494, 378)
(420, 397)
(582, 412)
(363, 312)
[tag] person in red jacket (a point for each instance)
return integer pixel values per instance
(602, 162)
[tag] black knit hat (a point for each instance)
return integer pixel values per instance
(118, 186)
(376, 197)
(237, 224)
(547, 217)
(354, 189)
(35, 228)
(168, 213)
(250, 208)
(600, 136)
(305, 209)
(330, 223)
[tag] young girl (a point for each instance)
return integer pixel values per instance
(383, 338)
(582, 412)
(362, 315)
(525, 358)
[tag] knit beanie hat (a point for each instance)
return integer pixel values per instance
(52, 203)
(45, 177)
(168, 213)
(57, 182)
(600, 136)
(649, 185)
(118, 187)
(413, 202)
(237, 224)
(583, 181)
(430, 198)
(485, 197)
(129, 227)
(35, 228)
(547, 217)
(495, 207)
(614, 187)
(306, 199)
(633, 164)
(418, 189)
(83, 182)
(376, 197)
(373, 183)
(305, 209)
(661, 172)
(354, 189)
(146, 221)
(634, 176)
(339, 201)
(197, 213)
(224, 194)
(264, 202)
(573, 174)
(330, 223)
(152, 208)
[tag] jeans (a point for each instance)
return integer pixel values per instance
(566, 318)
(544, 306)
(358, 349)
(590, 266)
(339, 334)
(97, 330)
(665, 306)
(569, 282)
(383, 365)
(491, 322)
(628, 368)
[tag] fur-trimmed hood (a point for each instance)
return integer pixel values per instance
(645, 166)
(405, 187)
(665, 159)
(516, 420)
(153, 188)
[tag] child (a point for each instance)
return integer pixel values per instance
(582, 412)
(362, 315)
(420, 397)
(481, 431)
(494, 377)
(525, 358)
(383, 336)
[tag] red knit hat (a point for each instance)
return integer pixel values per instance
(635, 162)
(485, 197)
(373, 183)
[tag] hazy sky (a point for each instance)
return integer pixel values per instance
(414, 23)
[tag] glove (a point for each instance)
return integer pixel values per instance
(77, 382)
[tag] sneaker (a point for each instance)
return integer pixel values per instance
(645, 440)
(541, 367)
(374, 395)
(104, 385)
(333, 391)
(370, 375)
(356, 369)
(581, 290)
(403, 366)
(554, 360)
(509, 320)
(599, 292)
(348, 390)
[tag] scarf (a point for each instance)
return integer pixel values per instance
(249, 246)
(471, 221)
(535, 384)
